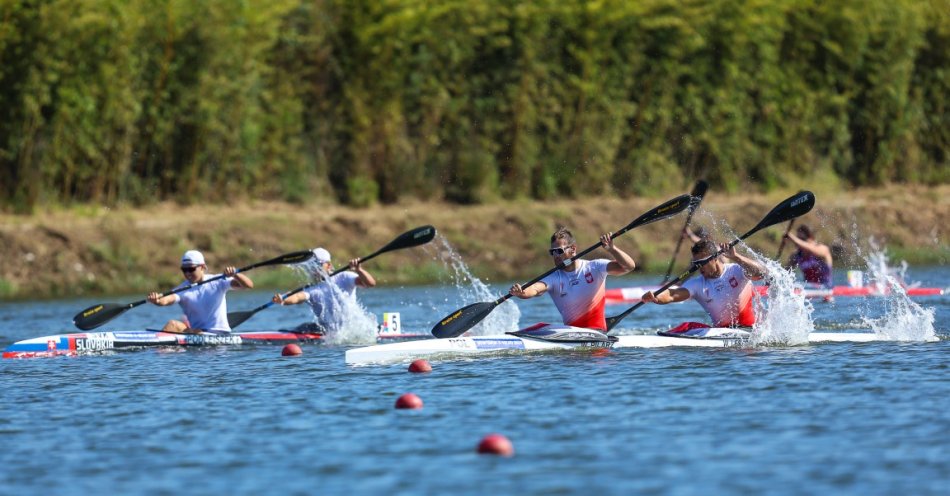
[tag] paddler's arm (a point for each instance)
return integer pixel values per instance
(753, 270)
(622, 262)
(813, 247)
(162, 301)
(536, 289)
(672, 295)
(293, 299)
(365, 279)
(239, 280)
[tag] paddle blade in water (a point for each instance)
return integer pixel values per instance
(97, 315)
(463, 319)
(237, 318)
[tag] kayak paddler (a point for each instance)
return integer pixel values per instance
(578, 288)
(724, 290)
(325, 298)
(205, 306)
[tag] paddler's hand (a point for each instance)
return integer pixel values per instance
(727, 250)
(518, 291)
(355, 265)
(607, 241)
(648, 297)
(230, 271)
(277, 299)
(153, 298)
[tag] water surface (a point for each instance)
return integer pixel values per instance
(833, 418)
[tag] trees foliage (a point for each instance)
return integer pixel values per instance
(365, 101)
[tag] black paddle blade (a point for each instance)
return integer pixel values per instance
(613, 321)
(97, 315)
(285, 259)
(463, 319)
(415, 237)
(794, 206)
(237, 318)
(699, 191)
(664, 211)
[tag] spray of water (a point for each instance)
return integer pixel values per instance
(784, 318)
(472, 290)
(346, 321)
(902, 319)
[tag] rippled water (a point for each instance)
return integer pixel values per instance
(833, 418)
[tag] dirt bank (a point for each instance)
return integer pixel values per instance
(98, 251)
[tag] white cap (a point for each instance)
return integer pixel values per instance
(321, 255)
(192, 258)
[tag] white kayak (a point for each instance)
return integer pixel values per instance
(543, 336)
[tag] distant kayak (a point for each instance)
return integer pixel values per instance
(617, 296)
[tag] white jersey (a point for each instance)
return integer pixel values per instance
(727, 298)
(205, 306)
(579, 295)
(326, 299)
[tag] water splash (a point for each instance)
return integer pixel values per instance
(346, 320)
(879, 267)
(902, 319)
(784, 318)
(472, 290)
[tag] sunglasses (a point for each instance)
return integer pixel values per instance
(558, 251)
(189, 270)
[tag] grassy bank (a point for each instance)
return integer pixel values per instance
(92, 251)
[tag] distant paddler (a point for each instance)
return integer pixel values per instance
(577, 289)
(813, 258)
(205, 306)
(326, 299)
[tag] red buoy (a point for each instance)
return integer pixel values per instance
(291, 350)
(496, 444)
(409, 401)
(420, 367)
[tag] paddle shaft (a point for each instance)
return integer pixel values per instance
(699, 191)
(781, 246)
(295, 291)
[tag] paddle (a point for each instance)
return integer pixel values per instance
(465, 318)
(415, 237)
(97, 315)
(699, 191)
(799, 204)
(781, 246)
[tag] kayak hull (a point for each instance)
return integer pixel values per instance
(502, 343)
(92, 342)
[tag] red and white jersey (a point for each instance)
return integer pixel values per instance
(727, 298)
(579, 295)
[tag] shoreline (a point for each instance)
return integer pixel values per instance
(88, 251)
